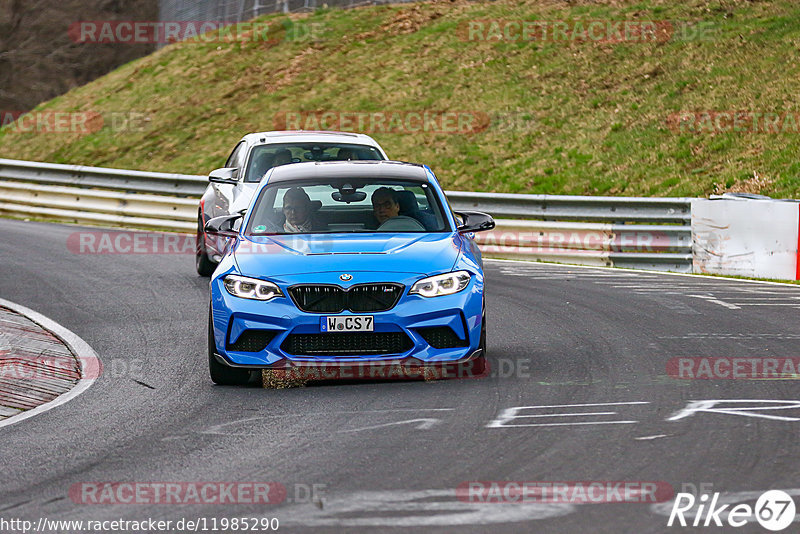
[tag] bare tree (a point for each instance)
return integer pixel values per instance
(39, 60)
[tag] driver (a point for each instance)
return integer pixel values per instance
(386, 209)
(385, 204)
(282, 157)
(297, 210)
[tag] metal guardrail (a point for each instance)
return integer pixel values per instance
(577, 208)
(96, 206)
(644, 233)
(115, 179)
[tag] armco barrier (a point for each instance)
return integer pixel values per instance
(644, 233)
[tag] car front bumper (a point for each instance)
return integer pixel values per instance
(411, 317)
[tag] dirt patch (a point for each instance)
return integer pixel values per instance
(280, 379)
(755, 184)
(410, 20)
(297, 65)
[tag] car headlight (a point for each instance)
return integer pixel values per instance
(251, 288)
(441, 284)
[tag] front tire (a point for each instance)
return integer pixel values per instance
(203, 264)
(479, 363)
(222, 374)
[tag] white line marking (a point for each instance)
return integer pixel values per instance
(423, 424)
(510, 414)
(634, 272)
(90, 361)
(571, 424)
(648, 287)
(728, 335)
(767, 298)
(708, 298)
(582, 405)
(725, 304)
(709, 406)
(647, 438)
(788, 290)
(413, 508)
(567, 414)
(792, 304)
(659, 292)
(224, 429)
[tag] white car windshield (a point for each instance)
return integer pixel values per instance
(265, 157)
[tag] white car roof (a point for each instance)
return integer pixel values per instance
(293, 136)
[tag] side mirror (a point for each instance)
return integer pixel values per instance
(225, 226)
(224, 176)
(474, 221)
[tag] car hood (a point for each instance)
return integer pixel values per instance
(282, 255)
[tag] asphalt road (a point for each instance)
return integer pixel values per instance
(388, 456)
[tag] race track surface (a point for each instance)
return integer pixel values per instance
(390, 455)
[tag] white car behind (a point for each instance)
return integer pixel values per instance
(231, 187)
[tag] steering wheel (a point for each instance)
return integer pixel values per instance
(401, 223)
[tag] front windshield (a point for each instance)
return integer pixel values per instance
(347, 206)
(265, 157)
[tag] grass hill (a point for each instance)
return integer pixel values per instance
(570, 109)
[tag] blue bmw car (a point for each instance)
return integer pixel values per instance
(351, 263)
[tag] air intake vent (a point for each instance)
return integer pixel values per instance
(441, 337)
(252, 341)
(347, 343)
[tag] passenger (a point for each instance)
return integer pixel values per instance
(345, 154)
(298, 211)
(263, 163)
(385, 204)
(282, 157)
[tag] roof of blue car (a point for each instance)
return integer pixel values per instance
(349, 169)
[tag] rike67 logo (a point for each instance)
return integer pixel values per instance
(774, 510)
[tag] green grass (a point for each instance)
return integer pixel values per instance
(566, 117)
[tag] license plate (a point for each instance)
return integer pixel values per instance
(346, 323)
